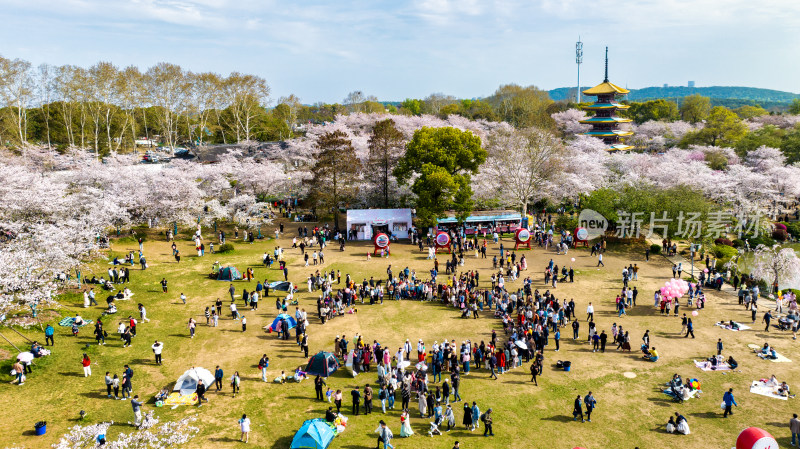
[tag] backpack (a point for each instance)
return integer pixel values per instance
(382, 394)
(483, 417)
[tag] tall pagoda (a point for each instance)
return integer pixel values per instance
(605, 122)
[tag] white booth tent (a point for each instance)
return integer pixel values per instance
(397, 221)
(187, 383)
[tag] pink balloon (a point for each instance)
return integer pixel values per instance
(695, 313)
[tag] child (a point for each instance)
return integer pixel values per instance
(329, 395)
(244, 323)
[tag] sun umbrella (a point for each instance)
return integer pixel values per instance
(422, 366)
(404, 364)
(521, 344)
(25, 357)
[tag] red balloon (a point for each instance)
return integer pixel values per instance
(755, 438)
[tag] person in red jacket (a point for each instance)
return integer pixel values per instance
(87, 366)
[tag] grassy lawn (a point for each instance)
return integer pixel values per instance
(631, 411)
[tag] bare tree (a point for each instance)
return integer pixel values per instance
(246, 96)
(168, 88)
(16, 91)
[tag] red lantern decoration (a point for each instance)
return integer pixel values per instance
(381, 242)
(755, 438)
(522, 237)
(442, 241)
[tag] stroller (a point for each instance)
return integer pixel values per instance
(434, 430)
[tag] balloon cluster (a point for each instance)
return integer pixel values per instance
(674, 288)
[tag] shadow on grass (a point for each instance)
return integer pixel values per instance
(706, 415)
(283, 442)
(559, 418)
(72, 374)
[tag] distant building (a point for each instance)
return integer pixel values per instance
(691, 83)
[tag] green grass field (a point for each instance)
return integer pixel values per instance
(631, 411)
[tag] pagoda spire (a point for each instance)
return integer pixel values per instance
(606, 79)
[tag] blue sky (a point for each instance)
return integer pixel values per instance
(321, 50)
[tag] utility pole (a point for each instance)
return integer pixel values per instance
(579, 60)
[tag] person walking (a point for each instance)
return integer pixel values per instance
(729, 402)
(137, 410)
(794, 427)
(577, 409)
(164, 285)
(384, 435)
(48, 336)
(719, 346)
(356, 394)
(590, 403)
(263, 364)
(218, 376)
(487, 423)
(235, 383)
(157, 348)
(590, 312)
(87, 366)
(244, 425)
(109, 383)
(600, 260)
(318, 383)
(476, 415)
(367, 399)
(201, 393)
(689, 328)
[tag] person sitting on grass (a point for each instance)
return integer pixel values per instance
(653, 354)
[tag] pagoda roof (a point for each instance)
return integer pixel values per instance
(606, 88)
(614, 105)
(605, 120)
(619, 147)
(609, 133)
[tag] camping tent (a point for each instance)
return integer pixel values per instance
(284, 286)
(322, 364)
(228, 274)
(289, 319)
(313, 434)
(187, 383)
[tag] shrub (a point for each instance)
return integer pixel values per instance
(761, 240)
(655, 249)
(780, 235)
(738, 243)
(225, 248)
(724, 252)
(793, 229)
(723, 241)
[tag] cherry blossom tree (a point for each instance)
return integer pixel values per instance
(776, 265)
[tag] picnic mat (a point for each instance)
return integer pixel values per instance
(706, 366)
(179, 399)
(780, 359)
(67, 322)
(761, 388)
(742, 327)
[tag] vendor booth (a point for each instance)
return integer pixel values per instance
(364, 224)
(504, 221)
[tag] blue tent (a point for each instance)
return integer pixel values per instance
(280, 285)
(289, 319)
(313, 434)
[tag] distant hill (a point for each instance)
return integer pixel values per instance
(719, 94)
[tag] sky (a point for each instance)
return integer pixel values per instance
(321, 50)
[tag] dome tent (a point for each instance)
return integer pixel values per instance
(322, 364)
(228, 274)
(313, 434)
(289, 320)
(187, 383)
